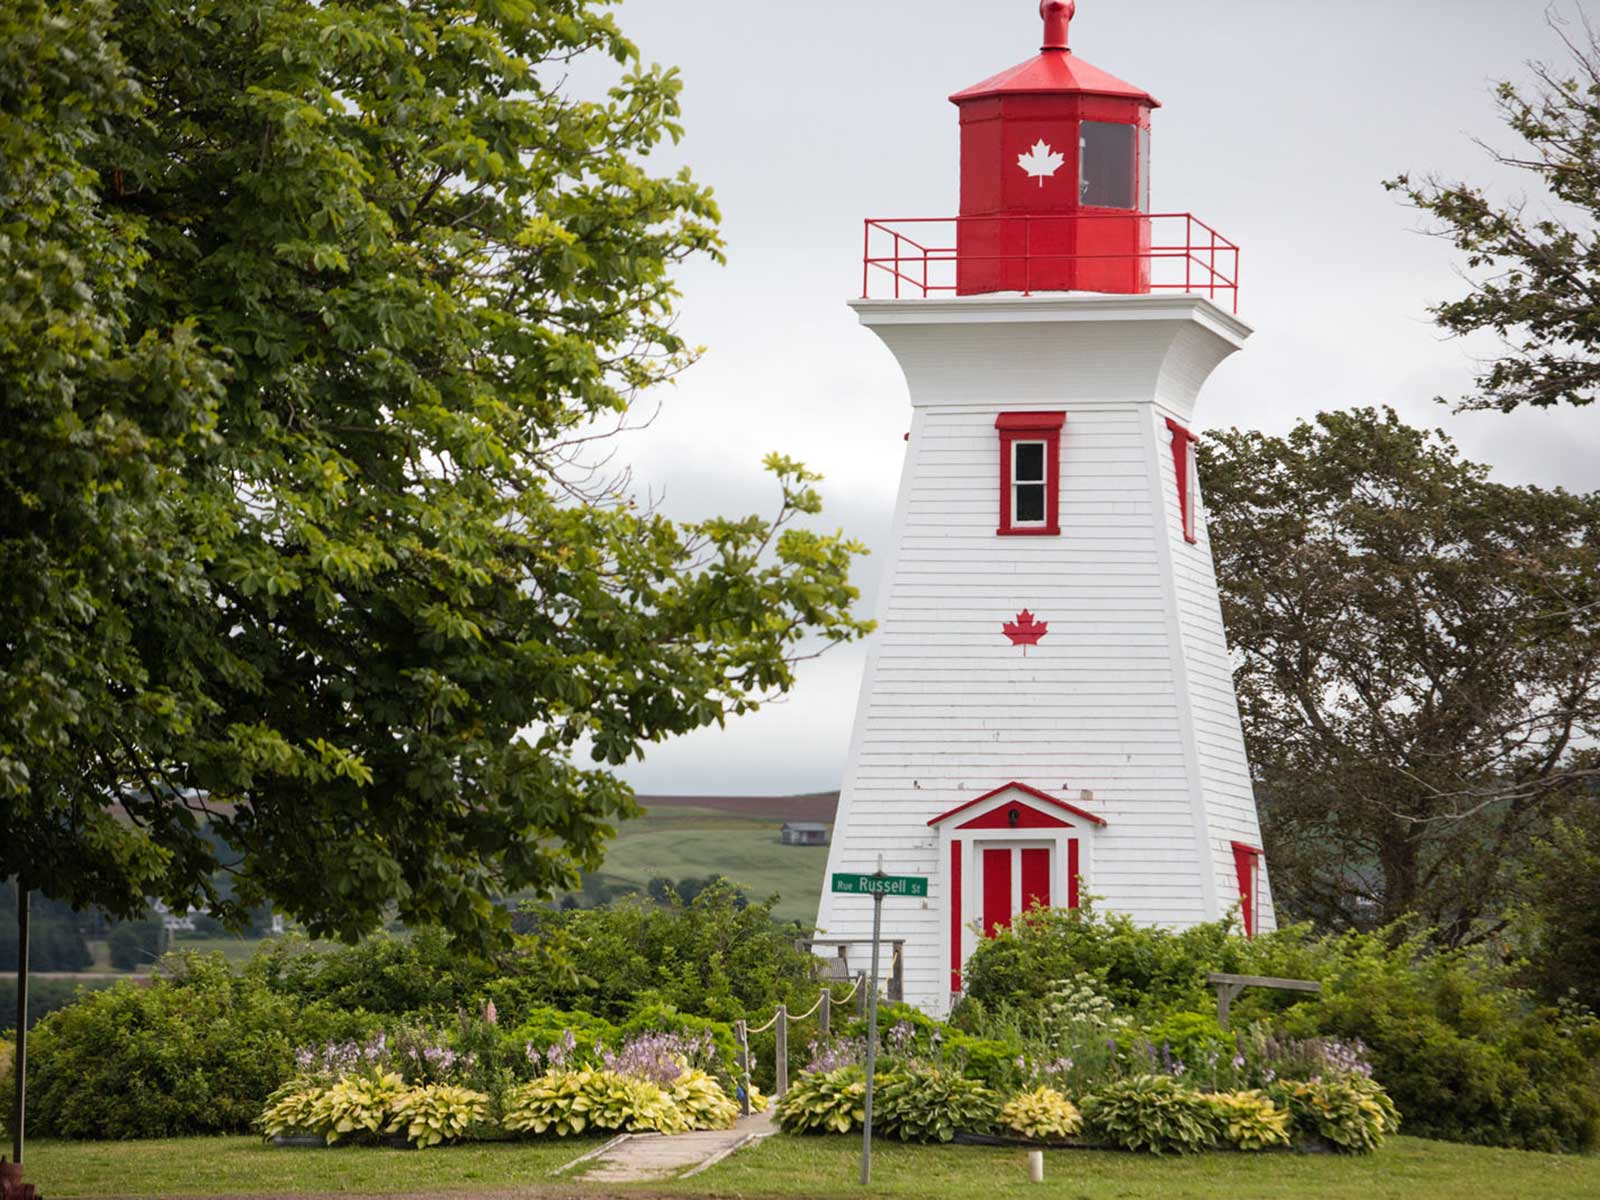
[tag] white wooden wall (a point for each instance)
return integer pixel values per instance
(1126, 707)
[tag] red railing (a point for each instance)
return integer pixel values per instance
(912, 257)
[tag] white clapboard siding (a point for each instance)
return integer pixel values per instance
(1126, 708)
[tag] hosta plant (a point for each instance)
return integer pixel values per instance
(701, 1101)
(569, 1102)
(824, 1102)
(1353, 1115)
(293, 1109)
(1151, 1112)
(359, 1105)
(919, 1103)
(438, 1112)
(1250, 1120)
(1044, 1115)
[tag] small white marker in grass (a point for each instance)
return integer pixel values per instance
(1035, 1166)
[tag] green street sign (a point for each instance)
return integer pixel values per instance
(881, 885)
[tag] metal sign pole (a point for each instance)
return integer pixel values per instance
(872, 1041)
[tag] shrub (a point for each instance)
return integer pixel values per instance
(834, 1102)
(45, 996)
(1250, 1120)
(1151, 1112)
(560, 1039)
(1134, 966)
(922, 1103)
(415, 975)
(438, 1113)
(197, 1052)
(1354, 1116)
(135, 945)
(712, 957)
(1043, 1114)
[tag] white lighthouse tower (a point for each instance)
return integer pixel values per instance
(1048, 708)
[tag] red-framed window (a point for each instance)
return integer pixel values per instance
(1030, 473)
(1247, 865)
(1183, 461)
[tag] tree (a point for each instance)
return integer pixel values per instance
(313, 553)
(1537, 280)
(1562, 897)
(1417, 661)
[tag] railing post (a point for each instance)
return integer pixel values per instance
(861, 995)
(781, 1066)
(866, 256)
(897, 266)
(897, 979)
(1027, 256)
(825, 1012)
(741, 1031)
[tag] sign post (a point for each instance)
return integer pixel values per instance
(877, 885)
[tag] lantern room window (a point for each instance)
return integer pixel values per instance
(1030, 472)
(1107, 164)
(1187, 473)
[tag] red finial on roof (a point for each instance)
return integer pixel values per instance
(1057, 15)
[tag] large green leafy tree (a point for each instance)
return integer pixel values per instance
(1417, 662)
(1533, 264)
(366, 278)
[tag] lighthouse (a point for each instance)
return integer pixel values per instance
(1047, 711)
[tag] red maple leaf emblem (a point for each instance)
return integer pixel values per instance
(1025, 631)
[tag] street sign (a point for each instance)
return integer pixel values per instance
(881, 885)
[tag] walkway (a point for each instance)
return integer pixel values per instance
(643, 1157)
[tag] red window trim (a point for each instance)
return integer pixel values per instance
(1182, 439)
(1031, 427)
(1247, 867)
(955, 916)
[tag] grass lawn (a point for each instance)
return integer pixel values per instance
(1406, 1169)
(248, 1166)
(682, 842)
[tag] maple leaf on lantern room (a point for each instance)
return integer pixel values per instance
(1041, 161)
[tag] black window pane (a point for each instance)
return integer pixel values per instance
(1030, 502)
(1106, 164)
(1030, 461)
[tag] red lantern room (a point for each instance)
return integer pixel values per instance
(1065, 146)
(1055, 193)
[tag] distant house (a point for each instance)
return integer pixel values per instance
(804, 833)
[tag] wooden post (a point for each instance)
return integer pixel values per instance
(1229, 986)
(861, 995)
(825, 1012)
(741, 1031)
(781, 1066)
(19, 1112)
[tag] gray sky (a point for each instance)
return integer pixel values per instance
(1280, 120)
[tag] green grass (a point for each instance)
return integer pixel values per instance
(248, 1166)
(680, 842)
(1405, 1169)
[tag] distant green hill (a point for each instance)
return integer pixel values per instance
(736, 837)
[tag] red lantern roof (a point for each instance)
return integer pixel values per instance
(1055, 69)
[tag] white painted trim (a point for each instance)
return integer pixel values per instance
(1180, 669)
(858, 728)
(1055, 307)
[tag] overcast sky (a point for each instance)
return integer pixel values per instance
(1280, 120)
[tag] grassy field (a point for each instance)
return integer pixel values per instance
(1406, 1169)
(680, 842)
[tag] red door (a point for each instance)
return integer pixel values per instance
(996, 890)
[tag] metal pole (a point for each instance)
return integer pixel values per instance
(20, 1111)
(872, 1042)
(741, 1031)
